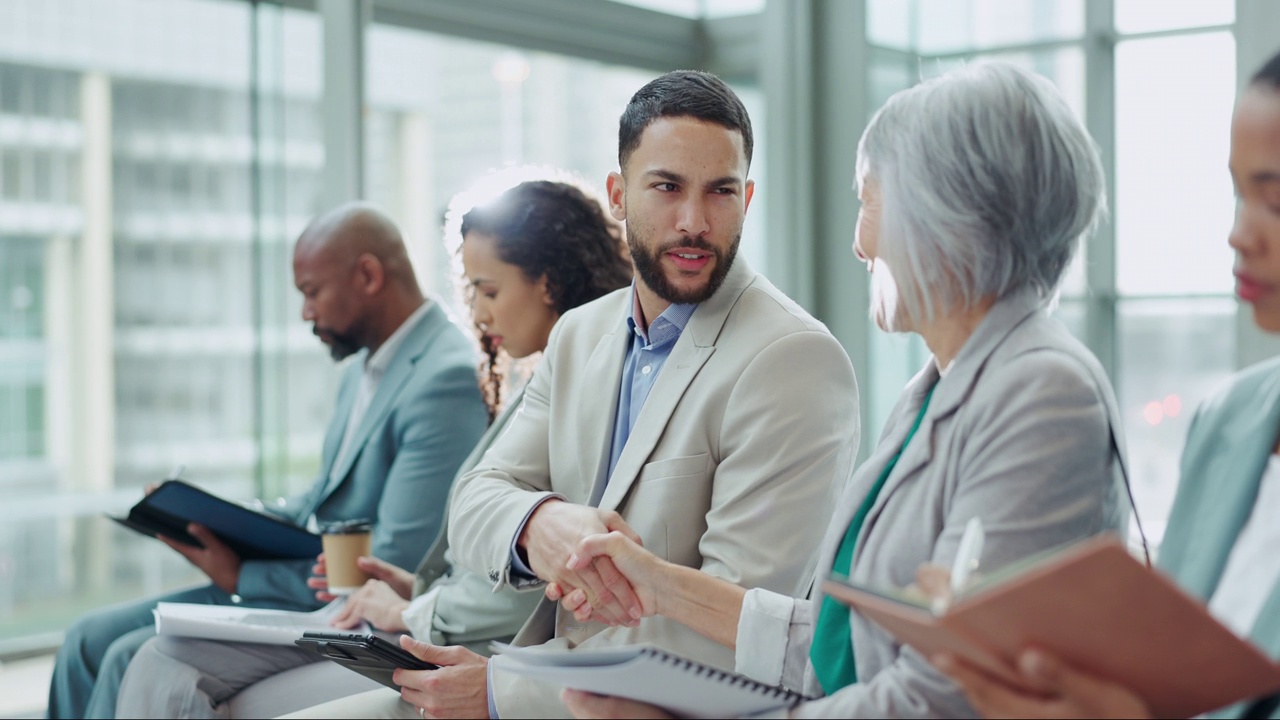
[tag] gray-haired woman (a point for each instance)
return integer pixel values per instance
(976, 188)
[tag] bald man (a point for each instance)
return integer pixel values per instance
(408, 412)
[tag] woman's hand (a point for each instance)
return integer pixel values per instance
(401, 581)
(319, 581)
(588, 706)
(1060, 691)
(629, 565)
(398, 579)
(378, 603)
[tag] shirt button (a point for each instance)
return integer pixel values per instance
(646, 369)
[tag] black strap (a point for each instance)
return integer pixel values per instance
(1263, 707)
(1124, 473)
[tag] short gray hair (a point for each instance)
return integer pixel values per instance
(987, 182)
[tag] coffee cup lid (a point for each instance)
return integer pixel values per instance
(346, 527)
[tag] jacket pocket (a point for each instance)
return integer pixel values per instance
(679, 467)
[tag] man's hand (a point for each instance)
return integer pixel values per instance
(218, 561)
(1058, 690)
(589, 706)
(458, 689)
(376, 602)
(551, 537)
(628, 566)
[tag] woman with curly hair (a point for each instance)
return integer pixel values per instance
(538, 250)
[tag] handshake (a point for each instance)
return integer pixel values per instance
(594, 563)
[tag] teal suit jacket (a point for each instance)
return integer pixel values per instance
(1230, 440)
(423, 421)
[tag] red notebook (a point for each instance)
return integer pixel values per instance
(1097, 608)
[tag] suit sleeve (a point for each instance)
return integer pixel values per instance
(787, 439)
(434, 430)
(1036, 465)
(514, 475)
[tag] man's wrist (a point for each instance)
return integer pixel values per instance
(522, 542)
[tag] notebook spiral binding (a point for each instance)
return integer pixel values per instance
(733, 679)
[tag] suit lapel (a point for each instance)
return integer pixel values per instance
(1241, 447)
(680, 369)
(393, 380)
(599, 382)
(341, 409)
(691, 352)
(949, 394)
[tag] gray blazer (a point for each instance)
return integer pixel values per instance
(1231, 439)
(426, 415)
(466, 610)
(1020, 434)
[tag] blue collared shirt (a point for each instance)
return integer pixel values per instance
(646, 355)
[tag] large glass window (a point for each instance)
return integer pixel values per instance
(134, 321)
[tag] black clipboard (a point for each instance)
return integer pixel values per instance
(253, 535)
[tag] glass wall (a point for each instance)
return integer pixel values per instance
(132, 238)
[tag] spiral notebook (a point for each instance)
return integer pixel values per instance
(648, 674)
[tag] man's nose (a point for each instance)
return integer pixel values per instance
(692, 220)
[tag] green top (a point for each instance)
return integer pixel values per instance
(831, 651)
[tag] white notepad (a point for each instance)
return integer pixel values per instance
(240, 624)
(648, 674)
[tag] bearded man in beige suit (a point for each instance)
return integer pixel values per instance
(700, 411)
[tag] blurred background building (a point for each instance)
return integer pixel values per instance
(158, 157)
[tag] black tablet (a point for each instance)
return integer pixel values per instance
(368, 655)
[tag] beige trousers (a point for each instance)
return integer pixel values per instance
(381, 703)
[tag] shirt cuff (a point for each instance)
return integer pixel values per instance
(522, 576)
(419, 617)
(488, 691)
(766, 619)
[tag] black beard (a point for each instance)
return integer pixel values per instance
(340, 346)
(649, 267)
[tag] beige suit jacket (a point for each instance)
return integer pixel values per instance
(732, 466)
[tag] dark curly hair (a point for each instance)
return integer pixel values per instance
(553, 229)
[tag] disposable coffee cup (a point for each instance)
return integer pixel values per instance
(344, 542)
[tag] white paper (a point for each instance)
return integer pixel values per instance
(240, 624)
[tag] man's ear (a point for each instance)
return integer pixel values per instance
(370, 274)
(748, 193)
(617, 189)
